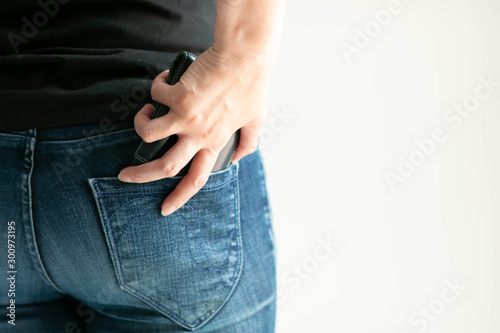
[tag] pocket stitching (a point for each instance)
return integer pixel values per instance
(216, 187)
(125, 204)
(151, 302)
(133, 220)
(128, 192)
(158, 306)
(204, 250)
(233, 170)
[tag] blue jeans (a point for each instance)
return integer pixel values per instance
(84, 252)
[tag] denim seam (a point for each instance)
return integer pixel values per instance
(129, 192)
(268, 209)
(219, 269)
(133, 220)
(28, 223)
(91, 140)
(158, 189)
(240, 252)
(218, 186)
(97, 136)
(215, 269)
(125, 204)
(107, 232)
(23, 139)
(199, 225)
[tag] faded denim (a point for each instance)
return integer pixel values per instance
(94, 254)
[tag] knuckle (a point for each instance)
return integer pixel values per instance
(207, 131)
(187, 113)
(212, 151)
(146, 134)
(183, 96)
(169, 170)
(199, 181)
(193, 117)
(155, 90)
(181, 100)
(138, 123)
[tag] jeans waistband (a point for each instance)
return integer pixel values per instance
(73, 132)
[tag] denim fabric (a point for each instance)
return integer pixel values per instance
(93, 254)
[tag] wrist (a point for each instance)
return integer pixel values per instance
(255, 56)
(249, 29)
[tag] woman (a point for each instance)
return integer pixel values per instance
(96, 245)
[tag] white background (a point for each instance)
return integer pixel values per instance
(335, 129)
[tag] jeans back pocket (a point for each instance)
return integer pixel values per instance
(185, 265)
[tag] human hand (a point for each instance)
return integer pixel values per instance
(219, 93)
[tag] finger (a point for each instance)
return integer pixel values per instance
(249, 138)
(163, 75)
(163, 92)
(151, 130)
(167, 166)
(196, 178)
(144, 115)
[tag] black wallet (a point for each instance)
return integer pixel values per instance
(148, 152)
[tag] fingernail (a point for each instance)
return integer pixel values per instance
(123, 178)
(167, 209)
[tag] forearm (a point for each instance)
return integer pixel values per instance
(249, 29)
(222, 91)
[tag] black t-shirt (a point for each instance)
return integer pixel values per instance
(65, 62)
